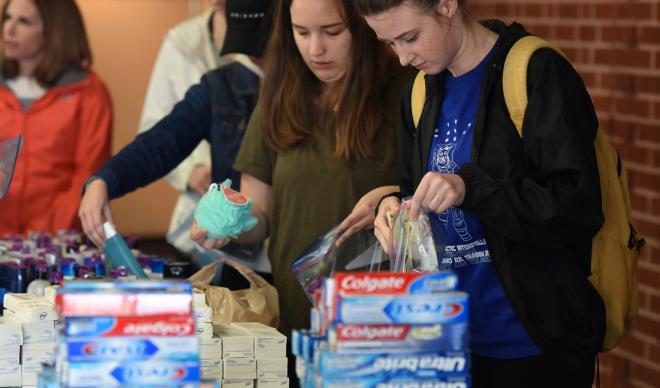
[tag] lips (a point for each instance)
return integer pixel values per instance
(421, 66)
(319, 65)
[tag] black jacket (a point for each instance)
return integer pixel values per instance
(537, 198)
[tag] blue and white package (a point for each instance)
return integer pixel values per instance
(448, 307)
(131, 348)
(135, 373)
(384, 382)
(410, 365)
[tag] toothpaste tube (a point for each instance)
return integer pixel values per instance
(385, 382)
(354, 338)
(394, 283)
(151, 326)
(447, 307)
(412, 365)
(135, 373)
(131, 348)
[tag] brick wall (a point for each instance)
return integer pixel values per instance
(615, 46)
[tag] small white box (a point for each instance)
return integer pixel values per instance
(50, 292)
(13, 300)
(29, 378)
(232, 383)
(10, 357)
(272, 383)
(272, 368)
(211, 372)
(11, 332)
(35, 312)
(199, 298)
(203, 330)
(10, 376)
(38, 332)
(236, 342)
(268, 342)
(210, 348)
(203, 314)
(239, 368)
(36, 353)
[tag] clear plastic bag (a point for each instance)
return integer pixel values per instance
(321, 259)
(412, 245)
(9, 150)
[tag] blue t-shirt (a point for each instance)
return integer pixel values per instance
(494, 329)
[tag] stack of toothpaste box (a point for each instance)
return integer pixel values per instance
(210, 347)
(253, 355)
(139, 333)
(386, 330)
(27, 338)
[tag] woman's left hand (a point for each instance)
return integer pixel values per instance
(362, 217)
(436, 193)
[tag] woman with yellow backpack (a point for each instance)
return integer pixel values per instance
(518, 211)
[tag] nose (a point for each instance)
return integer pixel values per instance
(405, 56)
(9, 28)
(316, 45)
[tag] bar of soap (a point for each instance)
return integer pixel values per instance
(224, 212)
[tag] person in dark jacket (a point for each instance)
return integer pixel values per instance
(518, 215)
(217, 110)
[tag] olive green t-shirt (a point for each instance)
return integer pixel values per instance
(312, 192)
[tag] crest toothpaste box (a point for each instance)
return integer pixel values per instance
(445, 308)
(411, 365)
(151, 326)
(356, 338)
(131, 348)
(134, 373)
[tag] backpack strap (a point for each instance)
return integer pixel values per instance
(514, 77)
(418, 97)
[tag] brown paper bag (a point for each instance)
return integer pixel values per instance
(259, 303)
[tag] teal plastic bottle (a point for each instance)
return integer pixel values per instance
(119, 254)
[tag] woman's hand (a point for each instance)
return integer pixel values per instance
(200, 179)
(363, 214)
(385, 220)
(199, 236)
(94, 211)
(436, 193)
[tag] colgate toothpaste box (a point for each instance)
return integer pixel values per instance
(384, 382)
(394, 283)
(122, 299)
(165, 325)
(130, 348)
(355, 338)
(386, 365)
(445, 308)
(133, 373)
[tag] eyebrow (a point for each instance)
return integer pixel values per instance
(323, 27)
(398, 37)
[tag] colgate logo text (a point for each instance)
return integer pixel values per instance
(369, 333)
(158, 328)
(369, 284)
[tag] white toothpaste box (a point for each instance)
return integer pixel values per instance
(198, 298)
(9, 358)
(239, 368)
(10, 376)
(30, 307)
(11, 332)
(39, 332)
(272, 368)
(272, 383)
(203, 313)
(268, 342)
(236, 342)
(210, 348)
(33, 355)
(233, 383)
(29, 378)
(211, 370)
(50, 292)
(203, 330)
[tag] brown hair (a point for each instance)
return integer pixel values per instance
(65, 41)
(374, 7)
(292, 100)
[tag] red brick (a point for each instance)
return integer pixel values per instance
(656, 110)
(650, 35)
(654, 305)
(648, 84)
(640, 203)
(626, 132)
(647, 326)
(630, 153)
(644, 180)
(589, 78)
(533, 10)
(631, 344)
(655, 209)
(625, 83)
(652, 230)
(605, 57)
(541, 30)
(569, 11)
(648, 133)
(571, 54)
(636, 11)
(606, 11)
(633, 58)
(587, 33)
(502, 10)
(566, 33)
(634, 107)
(619, 34)
(645, 374)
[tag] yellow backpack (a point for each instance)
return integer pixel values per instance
(615, 248)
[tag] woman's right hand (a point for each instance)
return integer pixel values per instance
(385, 220)
(199, 236)
(94, 211)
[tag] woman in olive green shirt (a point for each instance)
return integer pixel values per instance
(321, 143)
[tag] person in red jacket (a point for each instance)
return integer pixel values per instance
(49, 95)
